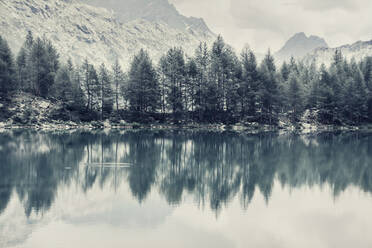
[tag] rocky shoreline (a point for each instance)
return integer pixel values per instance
(25, 111)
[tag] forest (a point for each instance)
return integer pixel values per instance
(215, 85)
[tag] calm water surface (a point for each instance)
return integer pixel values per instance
(185, 189)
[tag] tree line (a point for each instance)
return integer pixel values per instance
(215, 85)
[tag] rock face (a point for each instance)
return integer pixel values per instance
(160, 11)
(358, 51)
(80, 31)
(300, 45)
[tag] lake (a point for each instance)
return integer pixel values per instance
(185, 189)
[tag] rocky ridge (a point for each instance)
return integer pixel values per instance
(80, 31)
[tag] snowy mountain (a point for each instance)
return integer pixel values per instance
(314, 48)
(80, 31)
(152, 10)
(299, 45)
(358, 51)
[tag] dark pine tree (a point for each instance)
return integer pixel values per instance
(143, 92)
(249, 86)
(106, 93)
(173, 75)
(269, 91)
(7, 68)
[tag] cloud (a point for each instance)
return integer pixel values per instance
(269, 23)
(325, 5)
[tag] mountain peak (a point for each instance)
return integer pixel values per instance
(299, 45)
(299, 35)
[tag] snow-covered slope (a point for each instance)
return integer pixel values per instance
(79, 30)
(153, 11)
(300, 45)
(358, 51)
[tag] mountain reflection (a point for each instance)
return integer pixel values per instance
(213, 168)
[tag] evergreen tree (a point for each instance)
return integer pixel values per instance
(269, 91)
(357, 96)
(24, 64)
(143, 91)
(326, 97)
(21, 63)
(216, 87)
(192, 84)
(79, 102)
(233, 72)
(295, 98)
(338, 72)
(173, 71)
(223, 84)
(202, 61)
(63, 89)
(118, 80)
(91, 87)
(250, 84)
(293, 67)
(44, 65)
(7, 68)
(310, 78)
(106, 93)
(366, 67)
(285, 70)
(52, 66)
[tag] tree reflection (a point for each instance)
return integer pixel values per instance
(214, 168)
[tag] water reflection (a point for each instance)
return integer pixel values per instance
(214, 168)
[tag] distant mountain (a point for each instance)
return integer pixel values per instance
(79, 30)
(160, 11)
(298, 46)
(358, 51)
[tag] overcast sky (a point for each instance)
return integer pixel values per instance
(269, 23)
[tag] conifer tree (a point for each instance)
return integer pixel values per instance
(24, 64)
(173, 71)
(91, 86)
(192, 84)
(21, 63)
(357, 100)
(295, 98)
(7, 68)
(326, 97)
(143, 91)
(250, 84)
(202, 61)
(338, 72)
(269, 91)
(217, 84)
(285, 70)
(79, 98)
(222, 88)
(366, 67)
(106, 93)
(118, 80)
(44, 65)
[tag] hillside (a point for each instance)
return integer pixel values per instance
(79, 30)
